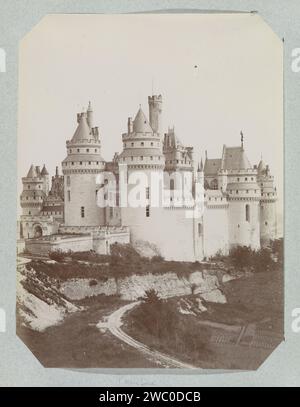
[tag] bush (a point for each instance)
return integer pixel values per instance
(93, 283)
(151, 297)
(157, 259)
(123, 254)
(57, 255)
(158, 323)
(243, 256)
(90, 256)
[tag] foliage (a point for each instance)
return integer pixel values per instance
(90, 256)
(123, 254)
(158, 323)
(151, 297)
(257, 260)
(57, 255)
(277, 249)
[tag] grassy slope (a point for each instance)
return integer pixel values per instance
(77, 343)
(257, 300)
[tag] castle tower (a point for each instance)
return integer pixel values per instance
(155, 113)
(268, 219)
(243, 194)
(33, 195)
(80, 168)
(140, 163)
(179, 164)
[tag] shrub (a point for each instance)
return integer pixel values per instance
(93, 283)
(57, 255)
(124, 254)
(243, 256)
(151, 297)
(157, 259)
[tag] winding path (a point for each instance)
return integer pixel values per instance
(114, 322)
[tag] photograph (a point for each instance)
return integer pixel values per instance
(150, 201)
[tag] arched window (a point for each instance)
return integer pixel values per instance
(68, 180)
(172, 185)
(247, 213)
(199, 229)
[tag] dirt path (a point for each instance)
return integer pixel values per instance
(114, 322)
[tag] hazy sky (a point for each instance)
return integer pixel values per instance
(218, 74)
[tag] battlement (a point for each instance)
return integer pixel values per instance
(94, 230)
(155, 98)
(250, 171)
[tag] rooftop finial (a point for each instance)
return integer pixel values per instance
(242, 139)
(89, 106)
(206, 154)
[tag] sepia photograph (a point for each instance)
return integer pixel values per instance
(150, 191)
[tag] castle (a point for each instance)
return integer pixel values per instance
(238, 200)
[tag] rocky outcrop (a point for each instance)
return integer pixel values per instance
(203, 283)
(39, 303)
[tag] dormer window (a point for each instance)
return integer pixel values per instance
(87, 150)
(142, 143)
(78, 150)
(132, 144)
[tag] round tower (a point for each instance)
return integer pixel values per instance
(80, 168)
(155, 113)
(141, 165)
(243, 194)
(268, 219)
(33, 195)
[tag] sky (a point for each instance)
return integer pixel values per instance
(218, 74)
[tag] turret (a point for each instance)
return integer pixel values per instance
(268, 218)
(32, 196)
(155, 113)
(45, 176)
(90, 116)
(80, 169)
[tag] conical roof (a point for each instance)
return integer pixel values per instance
(234, 158)
(141, 124)
(83, 131)
(261, 166)
(32, 172)
(44, 170)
